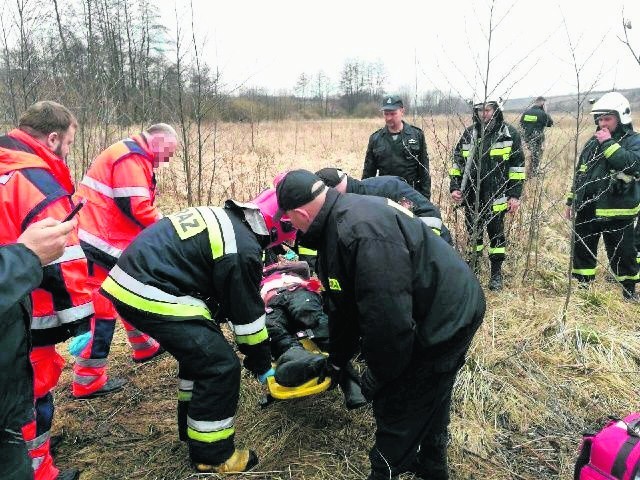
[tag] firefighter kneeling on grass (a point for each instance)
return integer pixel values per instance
(169, 282)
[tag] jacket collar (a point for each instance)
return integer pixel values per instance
(52, 162)
(142, 142)
(385, 130)
(312, 238)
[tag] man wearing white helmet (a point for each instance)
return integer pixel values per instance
(606, 194)
(487, 177)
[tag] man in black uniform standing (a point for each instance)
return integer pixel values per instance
(398, 149)
(406, 299)
(533, 122)
(177, 279)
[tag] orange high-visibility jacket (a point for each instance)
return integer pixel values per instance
(120, 191)
(35, 184)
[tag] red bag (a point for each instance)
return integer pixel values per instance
(613, 453)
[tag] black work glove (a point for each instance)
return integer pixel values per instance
(369, 385)
(333, 372)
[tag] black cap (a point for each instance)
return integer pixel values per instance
(541, 99)
(392, 102)
(331, 176)
(297, 188)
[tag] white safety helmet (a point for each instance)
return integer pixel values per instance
(496, 104)
(613, 103)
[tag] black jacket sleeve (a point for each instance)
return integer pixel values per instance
(424, 180)
(370, 165)
(623, 158)
(456, 171)
(20, 273)
(238, 276)
(516, 161)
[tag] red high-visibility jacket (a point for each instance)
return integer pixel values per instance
(35, 184)
(120, 191)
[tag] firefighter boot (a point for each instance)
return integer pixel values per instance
(68, 474)
(495, 281)
(239, 461)
(350, 387)
(113, 385)
(629, 292)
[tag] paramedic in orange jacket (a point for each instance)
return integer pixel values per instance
(120, 191)
(35, 183)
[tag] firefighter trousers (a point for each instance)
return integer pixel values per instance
(15, 463)
(618, 239)
(536, 145)
(90, 368)
(493, 222)
(208, 384)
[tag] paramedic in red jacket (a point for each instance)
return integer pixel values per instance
(35, 183)
(120, 189)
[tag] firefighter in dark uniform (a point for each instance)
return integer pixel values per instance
(487, 177)
(533, 122)
(20, 273)
(606, 197)
(174, 282)
(404, 298)
(393, 188)
(398, 149)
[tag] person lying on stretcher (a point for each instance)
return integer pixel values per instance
(295, 320)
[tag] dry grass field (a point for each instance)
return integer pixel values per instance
(533, 382)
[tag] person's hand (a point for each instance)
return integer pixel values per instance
(603, 135)
(567, 212)
(514, 205)
(78, 344)
(456, 195)
(263, 377)
(47, 238)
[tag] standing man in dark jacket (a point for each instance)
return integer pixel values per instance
(533, 122)
(176, 281)
(607, 195)
(405, 299)
(398, 149)
(393, 188)
(21, 273)
(487, 176)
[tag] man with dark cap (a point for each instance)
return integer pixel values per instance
(533, 122)
(403, 297)
(393, 188)
(398, 149)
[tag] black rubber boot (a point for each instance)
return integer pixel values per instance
(629, 292)
(69, 474)
(113, 385)
(350, 387)
(495, 281)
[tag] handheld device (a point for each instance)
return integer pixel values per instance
(75, 210)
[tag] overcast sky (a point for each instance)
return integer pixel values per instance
(436, 44)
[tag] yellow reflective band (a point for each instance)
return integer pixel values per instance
(399, 207)
(455, 172)
(611, 149)
(570, 196)
(530, 118)
(587, 272)
(583, 168)
(307, 251)
(495, 152)
(617, 212)
(465, 153)
(184, 396)
(254, 338)
(334, 284)
(516, 175)
(153, 306)
(210, 437)
(499, 207)
(479, 248)
(215, 234)
(628, 277)
(436, 231)
(497, 250)
(637, 259)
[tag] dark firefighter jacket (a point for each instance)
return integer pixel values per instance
(608, 174)
(392, 286)
(203, 262)
(533, 122)
(498, 162)
(401, 192)
(406, 158)
(20, 273)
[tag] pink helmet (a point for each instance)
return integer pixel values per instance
(279, 231)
